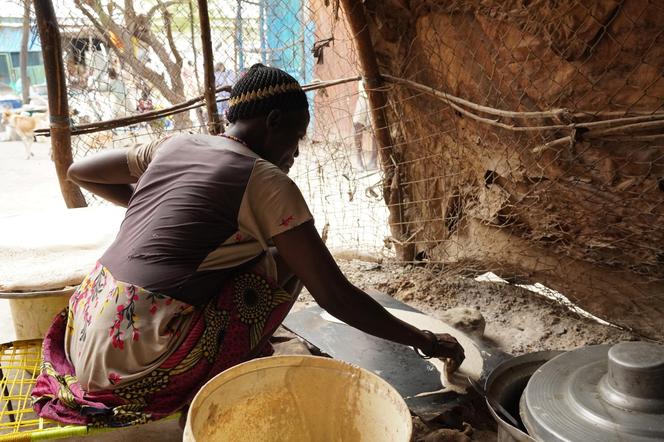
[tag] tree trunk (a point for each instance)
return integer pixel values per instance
(167, 53)
(356, 18)
(25, 80)
(57, 100)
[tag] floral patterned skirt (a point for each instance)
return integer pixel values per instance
(121, 355)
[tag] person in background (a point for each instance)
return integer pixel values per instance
(223, 77)
(118, 95)
(144, 103)
(216, 244)
(362, 124)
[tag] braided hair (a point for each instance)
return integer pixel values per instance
(263, 89)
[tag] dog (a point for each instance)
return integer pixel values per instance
(24, 126)
(98, 140)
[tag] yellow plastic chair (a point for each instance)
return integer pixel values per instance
(19, 368)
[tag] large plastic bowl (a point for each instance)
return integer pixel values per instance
(33, 312)
(298, 398)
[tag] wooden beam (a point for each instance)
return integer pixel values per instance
(356, 17)
(57, 101)
(214, 124)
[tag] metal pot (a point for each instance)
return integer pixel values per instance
(598, 393)
(505, 385)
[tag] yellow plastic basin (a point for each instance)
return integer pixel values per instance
(298, 398)
(33, 312)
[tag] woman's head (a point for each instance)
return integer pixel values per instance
(271, 106)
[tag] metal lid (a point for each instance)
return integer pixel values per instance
(598, 393)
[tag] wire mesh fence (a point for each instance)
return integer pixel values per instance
(528, 141)
(526, 136)
(123, 60)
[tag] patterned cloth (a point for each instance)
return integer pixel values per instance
(121, 355)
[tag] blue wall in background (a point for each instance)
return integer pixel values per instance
(289, 36)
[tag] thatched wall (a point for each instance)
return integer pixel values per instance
(585, 217)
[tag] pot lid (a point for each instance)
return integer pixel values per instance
(598, 393)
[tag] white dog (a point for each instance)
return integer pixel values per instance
(24, 126)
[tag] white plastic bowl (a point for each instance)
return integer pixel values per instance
(298, 398)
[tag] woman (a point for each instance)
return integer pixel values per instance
(206, 265)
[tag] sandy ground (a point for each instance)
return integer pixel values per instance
(25, 186)
(517, 320)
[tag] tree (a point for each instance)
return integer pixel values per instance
(123, 27)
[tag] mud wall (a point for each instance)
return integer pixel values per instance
(333, 120)
(583, 216)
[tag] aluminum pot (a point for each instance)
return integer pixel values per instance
(598, 393)
(505, 385)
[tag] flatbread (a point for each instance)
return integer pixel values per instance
(471, 366)
(54, 249)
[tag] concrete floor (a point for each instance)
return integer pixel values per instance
(26, 185)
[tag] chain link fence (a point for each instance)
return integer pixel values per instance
(125, 59)
(526, 136)
(528, 141)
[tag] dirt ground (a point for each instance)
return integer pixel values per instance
(517, 320)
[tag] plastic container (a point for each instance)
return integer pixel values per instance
(298, 399)
(33, 312)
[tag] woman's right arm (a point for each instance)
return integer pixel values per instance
(307, 256)
(105, 174)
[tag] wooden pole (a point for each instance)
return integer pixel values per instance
(25, 80)
(356, 17)
(194, 103)
(239, 37)
(57, 101)
(214, 124)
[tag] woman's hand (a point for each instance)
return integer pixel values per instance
(306, 255)
(447, 347)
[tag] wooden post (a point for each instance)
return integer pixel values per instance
(356, 17)
(57, 101)
(214, 124)
(239, 37)
(23, 57)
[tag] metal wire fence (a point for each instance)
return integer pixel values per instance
(528, 141)
(526, 138)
